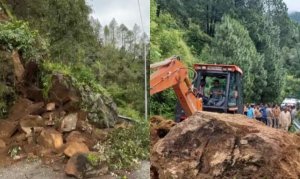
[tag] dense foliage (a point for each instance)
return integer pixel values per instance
(18, 35)
(258, 36)
(242, 52)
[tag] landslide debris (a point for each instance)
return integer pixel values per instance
(213, 145)
(60, 125)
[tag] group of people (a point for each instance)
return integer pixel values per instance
(272, 115)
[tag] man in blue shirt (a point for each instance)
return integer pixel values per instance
(250, 112)
(263, 112)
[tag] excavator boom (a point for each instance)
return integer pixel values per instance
(172, 73)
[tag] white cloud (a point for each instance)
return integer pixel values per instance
(293, 5)
(124, 11)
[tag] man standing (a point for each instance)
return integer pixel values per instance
(257, 113)
(285, 119)
(270, 115)
(245, 110)
(276, 112)
(250, 112)
(263, 112)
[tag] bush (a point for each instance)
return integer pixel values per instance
(18, 35)
(126, 146)
(7, 96)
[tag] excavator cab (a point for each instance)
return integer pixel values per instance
(225, 80)
(222, 91)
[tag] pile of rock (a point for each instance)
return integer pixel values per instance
(61, 124)
(47, 131)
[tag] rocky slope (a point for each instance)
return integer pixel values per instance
(60, 124)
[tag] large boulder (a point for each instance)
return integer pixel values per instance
(24, 107)
(69, 122)
(31, 123)
(76, 165)
(73, 148)
(68, 95)
(50, 138)
(212, 145)
(7, 128)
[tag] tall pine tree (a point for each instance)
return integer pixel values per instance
(233, 45)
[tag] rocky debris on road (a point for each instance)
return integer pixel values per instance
(69, 122)
(50, 138)
(8, 128)
(24, 107)
(73, 148)
(213, 145)
(31, 123)
(76, 136)
(102, 110)
(27, 132)
(55, 124)
(77, 165)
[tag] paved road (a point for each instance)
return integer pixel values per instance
(36, 170)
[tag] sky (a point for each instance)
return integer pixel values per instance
(293, 5)
(124, 11)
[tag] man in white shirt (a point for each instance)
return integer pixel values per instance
(285, 119)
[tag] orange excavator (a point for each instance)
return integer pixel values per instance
(215, 87)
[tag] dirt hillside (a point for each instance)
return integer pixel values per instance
(211, 145)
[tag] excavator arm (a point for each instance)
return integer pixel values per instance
(172, 73)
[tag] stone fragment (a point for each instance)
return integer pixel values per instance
(51, 138)
(69, 122)
(50, 106)
(76, 165)
(74, 148)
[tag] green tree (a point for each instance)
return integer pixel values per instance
(65, 23)
(234, 46)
